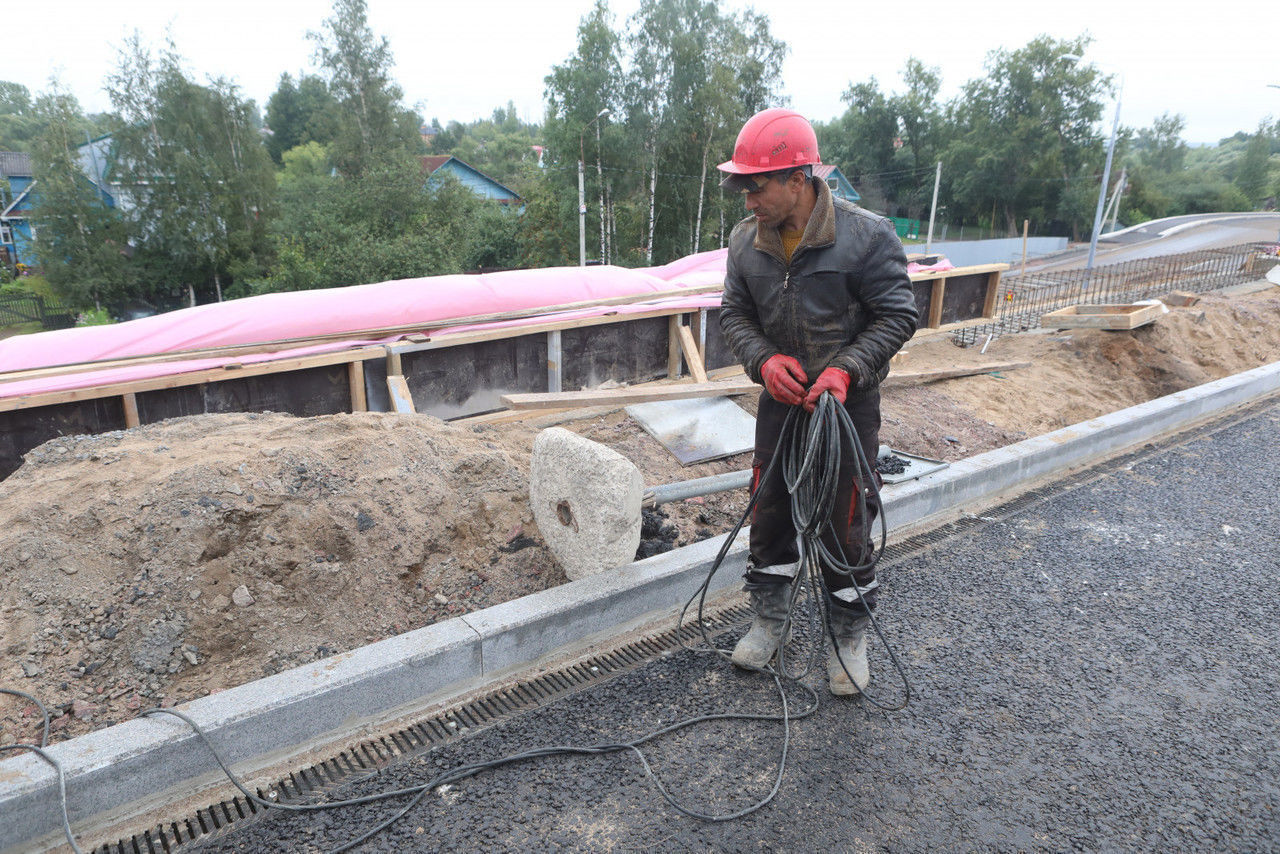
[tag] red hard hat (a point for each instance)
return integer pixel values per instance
(773, 139)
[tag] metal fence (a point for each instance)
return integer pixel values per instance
(28, 308)
(1024, 298)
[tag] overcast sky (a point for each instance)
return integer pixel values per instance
(459, 60)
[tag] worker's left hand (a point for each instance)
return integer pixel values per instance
(833, 380)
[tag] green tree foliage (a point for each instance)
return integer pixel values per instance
(1252, 175)
(373, 128)
(1160, 147)
(500, 146)
(385, 224)
(300, 112)
(1025, 133)
(22, 119)
(81, 242)
(18, 122)
(692, 75)
(198, 180)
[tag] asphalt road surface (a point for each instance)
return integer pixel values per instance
(1095, 670)
(1168, 237)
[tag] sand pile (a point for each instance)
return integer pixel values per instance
(168, 561)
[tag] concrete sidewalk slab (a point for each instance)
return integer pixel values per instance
(134, 767)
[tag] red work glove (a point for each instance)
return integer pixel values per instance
(784, 379)
(833, 380)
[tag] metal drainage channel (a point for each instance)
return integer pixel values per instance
(509, 701)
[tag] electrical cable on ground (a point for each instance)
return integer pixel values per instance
(810, 448)
(39, 750)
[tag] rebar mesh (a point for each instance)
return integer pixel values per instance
(1024, 298)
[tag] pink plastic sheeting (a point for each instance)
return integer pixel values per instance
(403, 302)
(940, 265)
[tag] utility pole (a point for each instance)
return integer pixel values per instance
(933, 209)
(1115, 200)
(582, 196)
(582, 220)
(1102, 193)
(604, 255)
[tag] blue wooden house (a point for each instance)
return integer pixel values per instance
(15, 208)
(21, 196)
(839, 185)
(439, 165)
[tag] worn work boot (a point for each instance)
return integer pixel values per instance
(758, 645)
(849, 628)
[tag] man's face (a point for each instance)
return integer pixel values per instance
(774, 201)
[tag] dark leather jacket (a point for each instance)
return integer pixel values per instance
(844, 300)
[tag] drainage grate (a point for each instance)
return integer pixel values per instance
(310, 785)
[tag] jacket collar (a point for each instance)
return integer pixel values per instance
(819, 231)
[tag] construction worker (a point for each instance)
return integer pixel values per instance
(816, 299)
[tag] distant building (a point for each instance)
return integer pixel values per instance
(840, 186)
(428, 134)
(438, 165)
(17, 234)
(15, 208)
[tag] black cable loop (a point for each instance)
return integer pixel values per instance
(811, 472)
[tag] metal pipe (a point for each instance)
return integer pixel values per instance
(683, 489)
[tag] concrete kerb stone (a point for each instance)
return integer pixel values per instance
(138, 760)
(523, 630)
(134, 761)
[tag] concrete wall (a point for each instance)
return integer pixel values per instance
(964, 253)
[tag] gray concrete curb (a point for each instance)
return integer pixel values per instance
(137, 765)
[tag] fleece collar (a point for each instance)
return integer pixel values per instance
(819, 231)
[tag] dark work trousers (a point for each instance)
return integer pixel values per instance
(773, 534)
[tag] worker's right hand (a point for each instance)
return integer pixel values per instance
(784, 379)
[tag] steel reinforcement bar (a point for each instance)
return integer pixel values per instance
(1025, 298)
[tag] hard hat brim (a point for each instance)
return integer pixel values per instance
(743, 182)
(738, 169)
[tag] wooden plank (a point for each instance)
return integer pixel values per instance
(935, 302)
(504, 416)
(555, 376)
(930, 275)
(1102, 316)
(50, 398)
(130, 402)
(401, 399)
(278, 344)
(993, 294)
(355, 381)
(698, 323)
(457, 339)
(393, 362)
(921, 377)
(673, 345)
(692, 357)
(627, 396)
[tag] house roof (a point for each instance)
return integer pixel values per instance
(15, 163)
(431, 163)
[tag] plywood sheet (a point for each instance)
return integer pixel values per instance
(697, 430)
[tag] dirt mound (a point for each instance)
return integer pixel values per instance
(1079, 374)
(166, 562)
